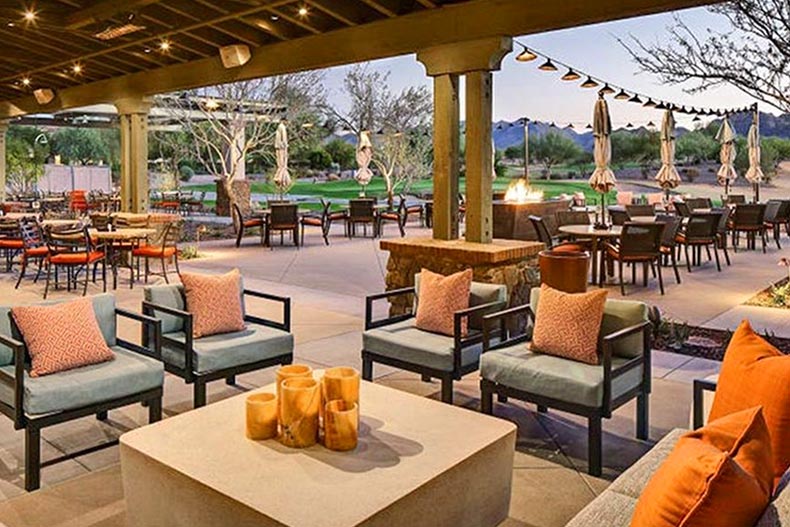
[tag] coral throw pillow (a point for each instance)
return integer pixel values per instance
(567, 324)
(214, 302)
(61, 337)
(440, 297)
(755, 373)
(719, 475)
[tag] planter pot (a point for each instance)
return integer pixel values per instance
(301, 399)
(564, 270)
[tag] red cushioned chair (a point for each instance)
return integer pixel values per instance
(242, 224)
(10, 240)
(73, 250)
(34, 249)
(164, 249)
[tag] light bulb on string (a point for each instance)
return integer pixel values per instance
(635, 99)
(589, 83)
(622, 96)
(607, 90)
(570, 76)
(526, 55)
(547, 66)
(649, 104)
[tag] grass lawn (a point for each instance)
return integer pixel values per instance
(348, 189)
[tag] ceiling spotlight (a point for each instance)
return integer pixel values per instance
(547, 66)
(302, 11)
(77, 69)
(147, 50)
(635, 99)
(570, 76)
(607, 90)
(526, 55)
(10, 24)
(26, 81)
(164, 45)
(30, 15)
(649, 104)
(589, 83)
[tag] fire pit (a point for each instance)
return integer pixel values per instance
(511, 214)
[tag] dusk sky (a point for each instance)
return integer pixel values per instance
(520, 89)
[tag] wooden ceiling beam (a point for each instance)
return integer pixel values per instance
(401, 35)
(331, 9)
(380, 8)
(428, 3)
(295, 21)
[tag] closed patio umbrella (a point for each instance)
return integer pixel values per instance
(364, 157)
(668, 176)
(726, 174)
(755, 172)
(282, 179)
(602, 179)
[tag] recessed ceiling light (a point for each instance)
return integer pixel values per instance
(147, 50)
(164, 45)
(30, 15)
(77, 68)
(26, 81)
(10, 24)
(274, 18)
(302, 11)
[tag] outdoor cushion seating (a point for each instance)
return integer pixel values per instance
(397, 342)
(134, 375)
(615, 506)
(509, 369)
(262, 343)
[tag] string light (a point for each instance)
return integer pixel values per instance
(550, 64)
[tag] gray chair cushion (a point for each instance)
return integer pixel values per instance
(403, 341)
(103, 307)
(566, 380)
(217, 352)
(617, 315)
(479, 294)
(128, 374)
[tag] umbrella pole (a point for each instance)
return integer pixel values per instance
(756, 192)
(726, 187)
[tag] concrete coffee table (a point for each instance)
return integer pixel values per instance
(419, 462)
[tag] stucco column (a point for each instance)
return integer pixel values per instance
(475, 59)
(3, 132)
(133, 117)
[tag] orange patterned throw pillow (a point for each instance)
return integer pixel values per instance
(720, 475)
(214, 302)
(440, 297)
(61, 337)
(567, 325)
(755, 373)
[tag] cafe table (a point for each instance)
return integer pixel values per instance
(596, 236)
(116, 242)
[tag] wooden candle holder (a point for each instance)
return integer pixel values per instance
(340, 383)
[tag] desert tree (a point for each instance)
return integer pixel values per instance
(229, 122)
(753, 56)
(400, 125)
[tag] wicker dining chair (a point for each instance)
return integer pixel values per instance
(618, 217)
(634, 211)
(284, 217)
(552, 242)
(639, 243)
(672, 225)
(750, 220)
(241, 224)
(682, 208)
(700, 231)
(414, 209)
(722, 233)
(776, 213)
(699, 203)
(733, 199)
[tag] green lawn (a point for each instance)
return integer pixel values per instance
(347, 189)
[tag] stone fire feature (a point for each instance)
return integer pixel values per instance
(510, 262)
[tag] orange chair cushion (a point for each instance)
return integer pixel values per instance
(439, 298)
(61, 337)
(755, 373)
(569, 247)
(154, 251)
(36, 252)
(316, 222)
(567, 324)
(214, 302)
(7, 243)
(720, 475)
(76, 258)
(253, 223)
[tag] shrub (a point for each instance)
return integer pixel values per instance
(185, 172)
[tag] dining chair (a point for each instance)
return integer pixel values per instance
(74, 250)
(721, 231)
(639, 243)
(552, 242)
(700, 231)
(397, 216)
(164, 248)
(34, 248)
(733, 199)
(242, 223)
(414, 209)
(669, 245)
(284, 217)
(618, 217)
(776, 212)
(682, 208)
(361, 212)
(699, 203)
(748, 219)
(318, 219)
(10, 240)
(634, 211)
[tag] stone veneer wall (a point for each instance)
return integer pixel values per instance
(518, 271)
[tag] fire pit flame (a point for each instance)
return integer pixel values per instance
(519, 192)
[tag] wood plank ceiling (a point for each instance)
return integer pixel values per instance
(59, 44)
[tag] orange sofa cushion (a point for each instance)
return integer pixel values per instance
(62, 336)
(567, 324)
(720, 475)
(214, 302)
(440, 297)
(755, 373)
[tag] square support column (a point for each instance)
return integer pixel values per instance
(479, 157)
(3, 181)
(133, 118)
(446, 138)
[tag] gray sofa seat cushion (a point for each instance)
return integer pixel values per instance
(404, 341)
(103, 308)
(128, 374)
(217, 352)
(549, 376)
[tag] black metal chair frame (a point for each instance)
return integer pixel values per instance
(32, 238)
(77, 241)
(497, 323)
(200, 380)
(9, 230)
(324, 218)
(169, 237)
(414, 209)
(473, 338)
(34, 424)
(750, 229)
(240, 227)
(398, 216)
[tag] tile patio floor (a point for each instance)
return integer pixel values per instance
(327, 285)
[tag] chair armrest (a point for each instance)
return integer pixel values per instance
(461, 341)
(500, 318)
(285, 325)
(607, 344)
(370, 323)
(700, 386)
(149, 308)
(18, 379)
(149, 323)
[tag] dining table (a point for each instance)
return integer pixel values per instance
(116, 242)
(596, 236)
